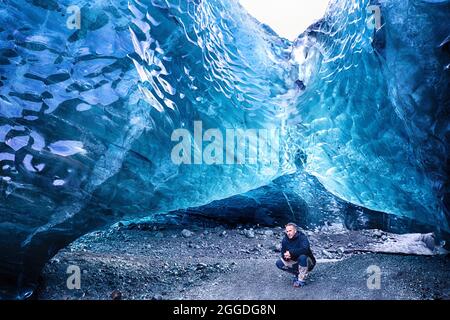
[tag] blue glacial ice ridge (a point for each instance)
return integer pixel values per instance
(86, 115)
(374, 121)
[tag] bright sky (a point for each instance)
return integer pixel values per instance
(288, 18)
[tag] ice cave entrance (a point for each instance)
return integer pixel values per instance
(288, 18)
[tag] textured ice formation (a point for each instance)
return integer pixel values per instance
(359, 101)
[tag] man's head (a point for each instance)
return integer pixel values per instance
(291, 230)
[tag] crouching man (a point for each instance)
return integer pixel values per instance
(296, 255)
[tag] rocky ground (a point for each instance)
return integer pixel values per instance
(140, 261)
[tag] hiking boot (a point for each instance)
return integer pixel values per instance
(299, 283)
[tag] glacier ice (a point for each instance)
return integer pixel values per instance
(86, 115)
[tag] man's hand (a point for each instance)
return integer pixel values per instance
(287, 255)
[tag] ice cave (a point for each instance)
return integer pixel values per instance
(357, 108)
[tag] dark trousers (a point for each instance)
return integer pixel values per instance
(293, 265)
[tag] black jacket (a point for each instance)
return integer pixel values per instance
(297, 246)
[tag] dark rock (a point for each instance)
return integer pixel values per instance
(132, 226)
(277, 247)
(201, 266)
(249, 233)
(116, 295)
(268, 233)
(377, 233)
(186, 233)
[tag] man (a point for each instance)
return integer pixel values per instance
(296, 255)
